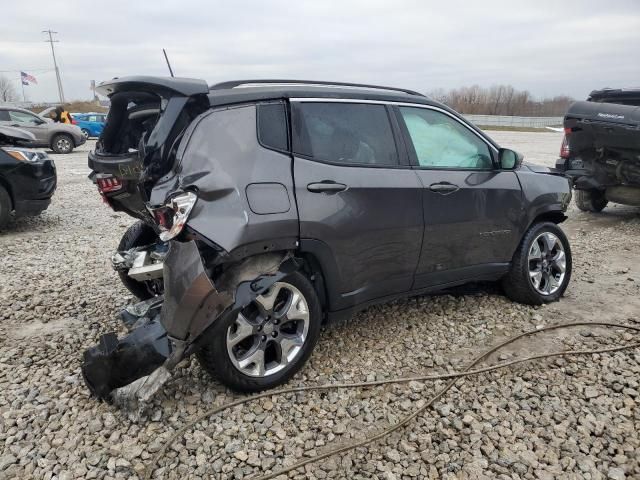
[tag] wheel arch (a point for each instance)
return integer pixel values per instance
(7, 186)
(55, 133)
(552, 215)
(311, 266)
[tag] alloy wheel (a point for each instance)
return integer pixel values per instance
(547, 263)
(270, 332)
(63, 144)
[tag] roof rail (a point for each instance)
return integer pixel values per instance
(311, 83)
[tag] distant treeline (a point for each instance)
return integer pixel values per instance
(501, 100)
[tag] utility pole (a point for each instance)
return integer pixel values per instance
(51, 41)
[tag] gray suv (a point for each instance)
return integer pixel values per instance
(277, 206)
(59, 137)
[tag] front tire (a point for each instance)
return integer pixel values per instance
(541, 267)
(86, 133)
(138, 235)
(269, 340)
(62, 143)
(591, 200)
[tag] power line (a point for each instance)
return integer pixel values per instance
(51, 41)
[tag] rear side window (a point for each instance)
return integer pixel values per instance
(4, 116)
(272, 126)
(344, 133)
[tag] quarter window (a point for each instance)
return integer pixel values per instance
(440, 141)
(272, 126)
(344, 133)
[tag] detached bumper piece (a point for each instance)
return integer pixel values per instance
(164, 330)
(114, 362)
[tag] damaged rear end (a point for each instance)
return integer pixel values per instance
(601, 148)
(165, 330)
(221, 202)
(146, 121)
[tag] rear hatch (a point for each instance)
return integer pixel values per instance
(146, 121)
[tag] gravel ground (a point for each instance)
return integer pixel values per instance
(563, 418)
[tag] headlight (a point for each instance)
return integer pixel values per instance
(172, 217)
(23, 155)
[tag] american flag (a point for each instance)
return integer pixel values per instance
(27, 79)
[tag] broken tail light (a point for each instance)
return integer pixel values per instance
(108, 184)
(172, 217)
(565, 151)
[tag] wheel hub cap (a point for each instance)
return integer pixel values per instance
(547, 263)
(270, 332)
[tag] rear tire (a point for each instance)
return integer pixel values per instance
(534, 270)
(221, 360)
(86, 133)
(591, 200)
(137, 235)
(62, 143)
(5, 207)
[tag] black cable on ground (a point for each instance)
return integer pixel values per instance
(453, 377)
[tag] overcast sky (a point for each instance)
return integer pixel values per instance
(546, 47)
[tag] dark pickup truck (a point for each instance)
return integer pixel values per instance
(601, 148)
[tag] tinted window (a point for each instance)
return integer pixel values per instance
(440, 141)
(348, 133)
(22, 117)
(4, 116)
(272, 126)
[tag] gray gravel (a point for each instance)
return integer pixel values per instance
(563, 418)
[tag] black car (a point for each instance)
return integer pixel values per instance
(285, 204)
(601, 148)
(27, 177)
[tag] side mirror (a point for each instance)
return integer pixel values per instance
(509, 159)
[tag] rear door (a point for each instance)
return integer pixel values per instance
(472, 209)
(359, 201)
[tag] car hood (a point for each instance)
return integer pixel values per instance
(10, 135)
(542, 169)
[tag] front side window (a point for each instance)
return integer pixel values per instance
(440, 141)
(22, 117)
(344, 133)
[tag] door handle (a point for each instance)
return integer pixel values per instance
(443, 188)
(326, 186)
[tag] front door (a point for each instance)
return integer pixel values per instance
(472, 209)
(359, 202)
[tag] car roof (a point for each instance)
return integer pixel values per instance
(260, 90)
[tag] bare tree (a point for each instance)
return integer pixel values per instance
(7, 90)
(501, 100)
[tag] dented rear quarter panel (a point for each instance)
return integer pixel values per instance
(245, 191)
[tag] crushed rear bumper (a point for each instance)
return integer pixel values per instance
(166, 331)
